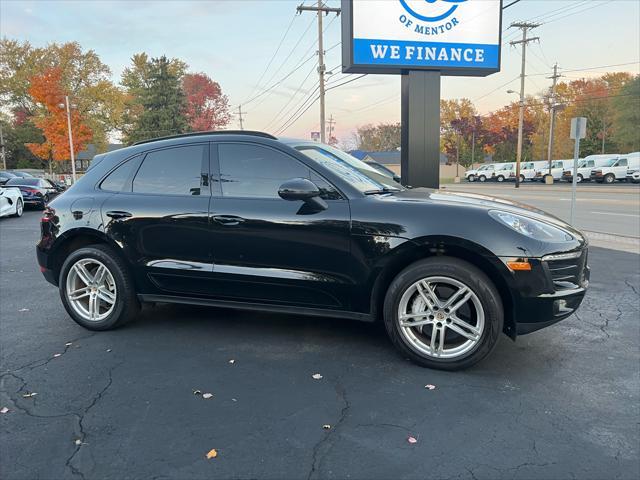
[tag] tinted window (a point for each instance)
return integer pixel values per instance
(24, 181)
(174, 171)
(255, 171)
(117, 179)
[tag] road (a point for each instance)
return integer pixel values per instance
(560, 403)
(610, 210)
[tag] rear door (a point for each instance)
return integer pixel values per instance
(159, 214)
(267, 249)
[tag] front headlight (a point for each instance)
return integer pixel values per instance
(535, 229)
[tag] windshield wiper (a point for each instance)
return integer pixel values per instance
(381, 191)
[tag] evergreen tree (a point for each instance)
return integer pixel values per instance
(161, 103)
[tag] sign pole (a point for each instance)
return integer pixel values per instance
(578, 131)
(420, 121)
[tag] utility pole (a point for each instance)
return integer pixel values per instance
(240, 117)
(552, 120)
(2, 150)
(331, 124)
(73, 159)
(320, 9)
(525, 27)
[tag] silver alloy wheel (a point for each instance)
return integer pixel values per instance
(91, 289)
(441, 317)
(19, 208)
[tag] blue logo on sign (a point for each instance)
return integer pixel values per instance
(426, 12)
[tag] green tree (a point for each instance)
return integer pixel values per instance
(155, 105)
(626, 120)
(17, 133)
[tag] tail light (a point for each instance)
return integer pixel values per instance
(30, 191)
(48, 225)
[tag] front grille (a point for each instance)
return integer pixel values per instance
(568, 273)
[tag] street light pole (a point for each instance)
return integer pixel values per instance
(73, 159)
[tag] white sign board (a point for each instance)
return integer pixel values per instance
(456, 37)
(578, 128)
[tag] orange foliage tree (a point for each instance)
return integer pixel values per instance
(47, 92)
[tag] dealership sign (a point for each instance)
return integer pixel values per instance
(455, 37)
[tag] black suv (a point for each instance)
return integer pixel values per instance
(246, 220)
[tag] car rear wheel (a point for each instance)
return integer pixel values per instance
(579, 178)
(19, 208)
(609, 178)
(522, 178)
(96, 288)
(443, 313)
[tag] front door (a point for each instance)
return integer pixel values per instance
(160, 217)
(267, 249)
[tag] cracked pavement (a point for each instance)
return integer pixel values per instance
(560, 403)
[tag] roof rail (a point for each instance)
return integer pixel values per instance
(213, 132)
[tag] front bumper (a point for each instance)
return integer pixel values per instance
(551, 291)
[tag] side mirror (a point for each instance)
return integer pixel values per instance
(302, 189)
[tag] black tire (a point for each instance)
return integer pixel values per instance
(500, 178)
(580, 178)
(471, 277)
(126, 305)
(609, 178)
(522, 179)
(19, 208)
(471, 178)
(482, 178)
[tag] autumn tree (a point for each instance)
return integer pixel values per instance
(378, 138)
(47, 93)
(626, 119)
(83, 76)
(207, 108)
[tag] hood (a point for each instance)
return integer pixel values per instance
(483, 202)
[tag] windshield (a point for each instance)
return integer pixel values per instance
(23, 181)
(611, 163)
(358, 174)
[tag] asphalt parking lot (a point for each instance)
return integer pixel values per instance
(560, 403)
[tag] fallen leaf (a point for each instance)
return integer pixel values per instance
(316, 376)
(197, 392)
(412, 440)
(56, 355)
(29, 394)
(430, 387)
(207, 395)
(68, 344)
(213, 453)
(4, 410)
(23, 310)
(326, 427)
(232, 361)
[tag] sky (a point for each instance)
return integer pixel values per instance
(236, 43)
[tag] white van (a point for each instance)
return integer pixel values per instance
(474, 174)
(503, 171)
(486, 172)
(557, 169)
(616, 168)
(528, 170)
(586, 165)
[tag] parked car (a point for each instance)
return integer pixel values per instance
(528, 170)
(35, 191)
(11, 202)
(503, 171)
(485, 172)
(616, 168)
(557, 169)
(21, 174)
(474, 174)
(383, 170)
(58, 186)
(247, 221)
(5, 176)
(585, 166)
(633, 176)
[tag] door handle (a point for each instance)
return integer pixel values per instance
(118, 214)
(229, 220)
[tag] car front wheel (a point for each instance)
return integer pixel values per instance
(609, 178)
(443, 313)
(96, 288)
(471, 178)
(500, 178)
(482, 178)
(19, 208)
